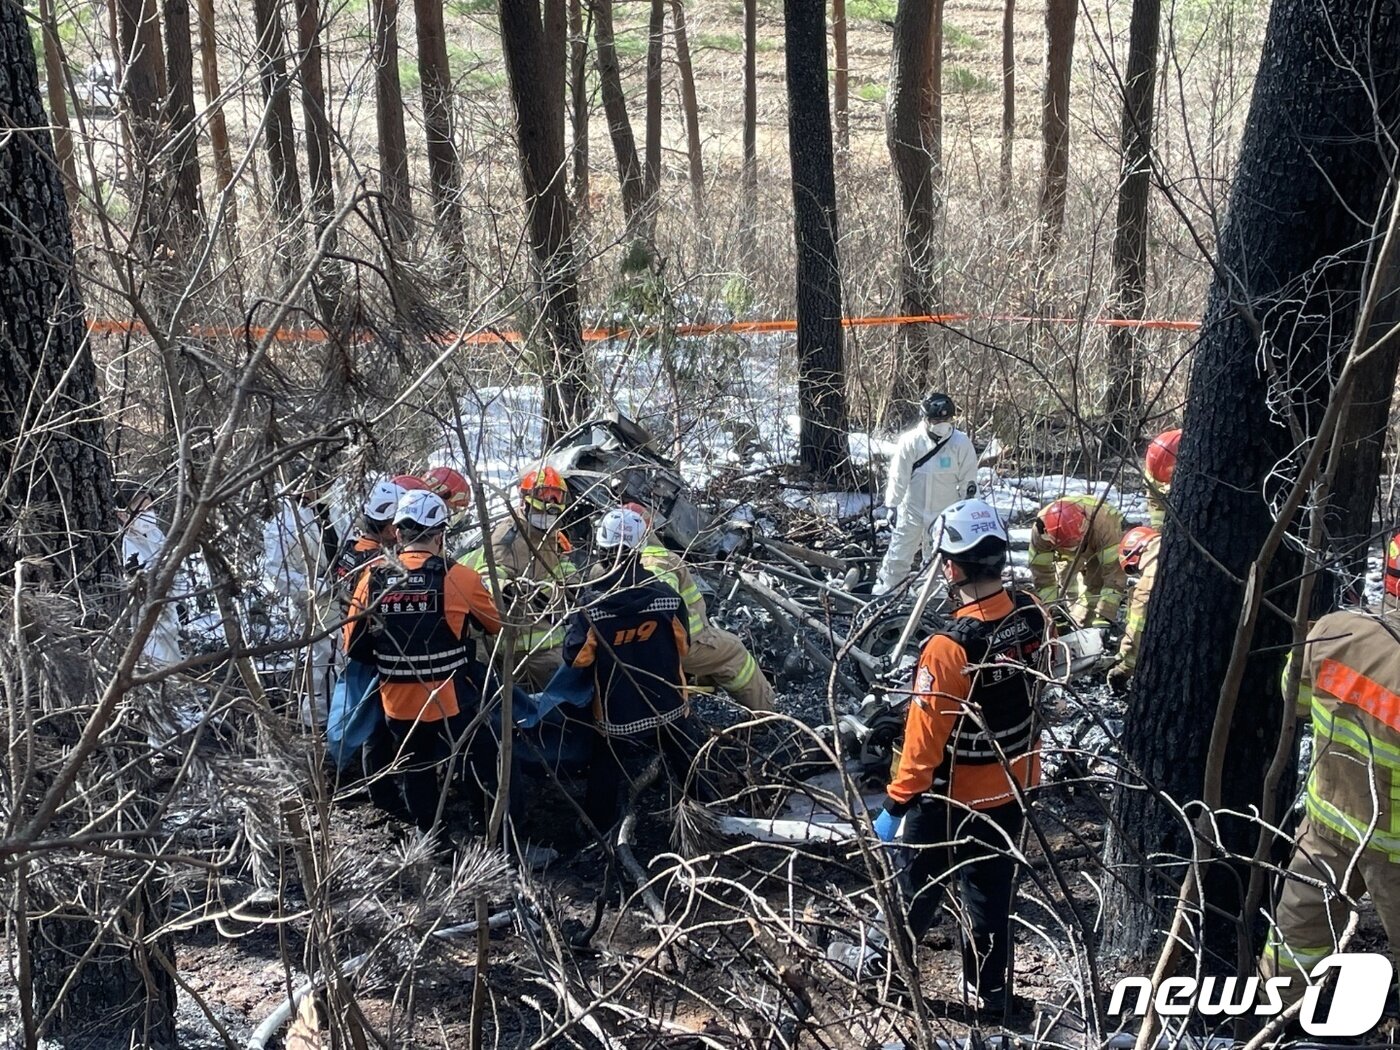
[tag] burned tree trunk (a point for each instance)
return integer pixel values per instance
(1125, 400)
(1008, 96)
(53, 457)
(1060, 16)
(388, 110)
(532, 39)
(184, 150)
(142, 88)
(914, 135)
(436, 80)
(280, 132)
(656, 43)
(841, 76)
(629, 167)
(319, 169)
(1280, 314)
(748, 179)
(821, 373)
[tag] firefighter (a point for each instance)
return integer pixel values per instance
(634, 636)
(1137, 553)
(375, 533)
(1349, 841)
(1074, 553)
(970, 749)
(533, 565)
(454, 489)
(934, 464)
(410, 616)
(715, 657)
(1159, 466)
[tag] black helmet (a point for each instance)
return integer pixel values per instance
(938, 407)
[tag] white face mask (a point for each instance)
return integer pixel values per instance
(940, 430)
(542, 520)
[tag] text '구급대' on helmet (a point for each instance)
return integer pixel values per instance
(970, 529)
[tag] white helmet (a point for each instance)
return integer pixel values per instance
(423, 509)
(621, 527)
(967, 526)
(382, 500)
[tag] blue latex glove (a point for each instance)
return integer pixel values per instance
(886, 825)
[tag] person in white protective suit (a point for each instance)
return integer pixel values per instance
(142, 540)
(933, 466)
(295, 564)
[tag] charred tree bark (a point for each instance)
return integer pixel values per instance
(1280, 314)
(184, 148)
(532, 40)
(436, 80)
(1008, 96)
(691, 104)
(578, 103)
(1060, 16)
(58, 104)
(54, 461)
(629, 167)
(914, 134)
(218, 126)
(821, 373)
(656, 43)
(142, 88)
(280, 131)
(841, 76)
(1125, 399)
(388, 107)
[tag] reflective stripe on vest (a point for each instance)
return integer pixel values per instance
(1370, 752)
(983, 747)
(1352, 687)
(745, 675)
(429, 667)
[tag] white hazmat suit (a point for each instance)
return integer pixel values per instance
(927, 474)
(142, 539)
(294, 573)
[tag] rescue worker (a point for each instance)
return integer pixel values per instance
(934, 464)
(1349, 841)
(451, 486)
(634, 636)
(409, 619)
(1137, 553)
(1074, 554)
(375, 533)
(142, 540)
(971, 747)
(533, 563)
(715, 657)
(295, 561)
(1159, 466)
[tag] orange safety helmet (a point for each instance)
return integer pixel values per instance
(1133, 545)
(1392, 567)
(450, 485)
(1161, 456)
(544, 489)
(1065, 522)
(408, 482)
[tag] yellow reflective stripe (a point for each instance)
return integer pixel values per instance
(1042, 558)
(1110, 597)
(745, 675)
(1351, 828)
(1136, 621)
(1109, 555)
(1352, 736)
(1289, 957)
(1048, 593)
(690, 595)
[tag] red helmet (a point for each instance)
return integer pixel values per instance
(1133, 545)
(1065, 522)
(643, 512)
(450, 485)
(1161, 456)
(544, 489)
(408, 482)
(1392, 567)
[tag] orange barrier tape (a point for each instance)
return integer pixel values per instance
(598, 335)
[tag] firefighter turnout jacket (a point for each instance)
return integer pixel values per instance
(1137, 606)
(971, 725)
(1089, 574)
(1350, 841)
(716, 657)
(634, 639)
(529, 555)
(409, 619)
